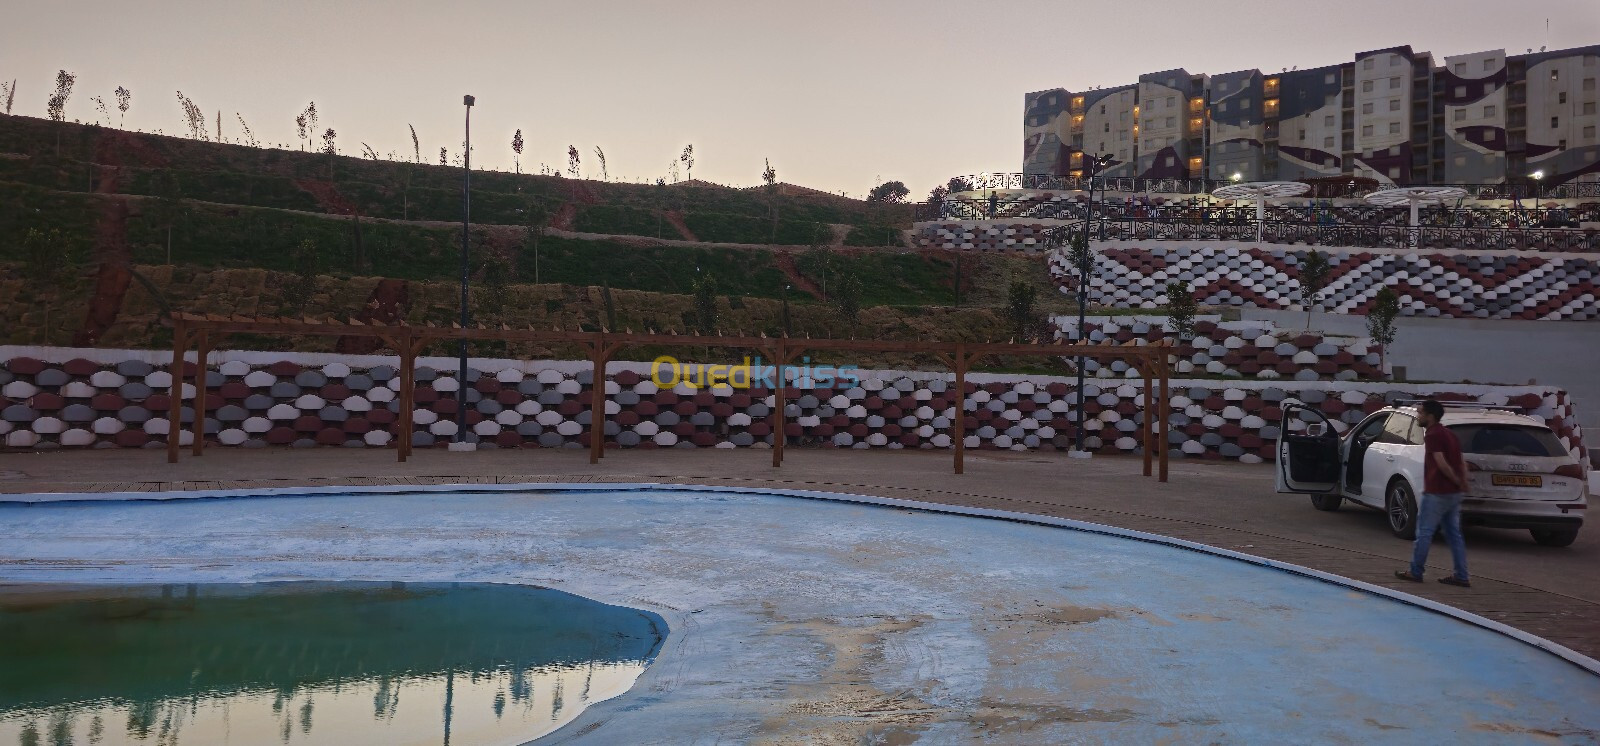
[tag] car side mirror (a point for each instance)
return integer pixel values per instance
(1316, 429)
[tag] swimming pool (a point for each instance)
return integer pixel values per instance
(819, 618)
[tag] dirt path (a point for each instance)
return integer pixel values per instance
(111, 252)
(785, 262)
(675, 218)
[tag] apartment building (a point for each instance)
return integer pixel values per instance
(1392, 115)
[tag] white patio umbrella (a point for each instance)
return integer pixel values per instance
(1261, 191)
(1415, 197)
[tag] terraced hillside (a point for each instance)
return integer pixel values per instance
(101, 229)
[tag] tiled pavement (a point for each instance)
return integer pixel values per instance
(1553, 593)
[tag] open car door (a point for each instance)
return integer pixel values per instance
(1308, 456)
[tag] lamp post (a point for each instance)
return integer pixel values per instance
(1095, 163)
(460, 443)
(1537, 177)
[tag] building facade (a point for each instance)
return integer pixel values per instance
(1391, 115)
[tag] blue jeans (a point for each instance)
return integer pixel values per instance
(1440, 512)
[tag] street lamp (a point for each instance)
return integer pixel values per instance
(1537, 177)
(1236, 177)
(1095, 164)
(460, 443)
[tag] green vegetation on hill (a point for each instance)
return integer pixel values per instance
(315, 182)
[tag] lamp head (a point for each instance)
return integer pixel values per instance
(1236, 177)
(469, 100)
(1537, 174)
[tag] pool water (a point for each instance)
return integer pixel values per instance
(305, 663)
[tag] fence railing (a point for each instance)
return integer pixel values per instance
(1361, 236)
(1023, 209)
(1331, 188)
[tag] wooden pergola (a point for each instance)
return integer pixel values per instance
(203, 333)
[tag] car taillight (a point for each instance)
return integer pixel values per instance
(1571, 470)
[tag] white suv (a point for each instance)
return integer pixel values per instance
(1519, 474)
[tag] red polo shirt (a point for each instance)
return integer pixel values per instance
(1440, 440)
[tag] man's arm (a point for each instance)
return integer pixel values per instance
(1449, 470)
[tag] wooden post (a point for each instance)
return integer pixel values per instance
(960, 422)
(175, 406)
(1147, 430)
(597, 400)
(1165, 398)
(778, 403)
(409, 347)
(202, 349)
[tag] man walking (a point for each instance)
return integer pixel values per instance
(1444, 482)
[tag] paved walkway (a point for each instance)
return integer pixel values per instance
(1553, 593)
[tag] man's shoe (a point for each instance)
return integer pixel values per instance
(1406, 575)
(1453, 580)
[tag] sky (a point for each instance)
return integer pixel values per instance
(838, 95)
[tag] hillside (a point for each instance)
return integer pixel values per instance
(130, 216)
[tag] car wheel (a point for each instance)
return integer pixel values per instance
(1554, 537)
(1326, 502)
(1401, 505)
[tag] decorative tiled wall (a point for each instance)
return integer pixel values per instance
(120, 399)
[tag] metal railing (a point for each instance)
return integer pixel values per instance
(1320, 188)
(1317, 214)
(1358, 236)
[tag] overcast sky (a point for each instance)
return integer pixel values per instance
(839, 95)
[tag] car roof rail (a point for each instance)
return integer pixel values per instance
(1464, 405)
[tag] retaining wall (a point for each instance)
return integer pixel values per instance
(82, 398)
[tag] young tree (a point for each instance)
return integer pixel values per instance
(672, 171)
(1020, 299)
(193, 117)
(889, 192)
(957, 184)
(249, 137)
(1380, 322)
(8, 91)
(303, 261)
(306, 124)
(574, 163)
(57, 105)
(100, 106)
(1181, 309)
(600, 155)
(769, 180)
(847, 297)
(1314, 270)
(327, 142)
(416, 145)
(516, 149)
(705, 303)
(442, 158)
(167, 206)
(124, 99)
(688, 160)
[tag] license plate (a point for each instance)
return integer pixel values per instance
(1516, 480)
